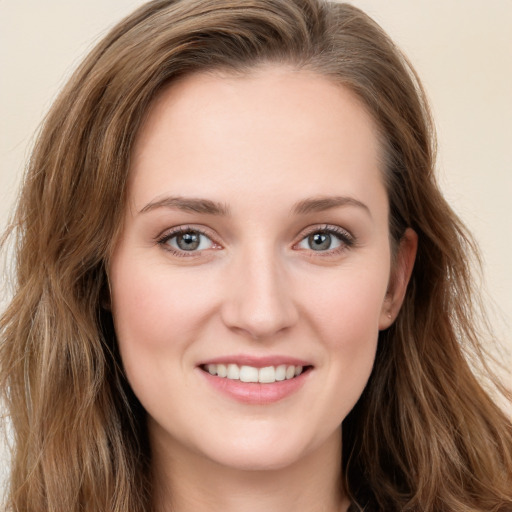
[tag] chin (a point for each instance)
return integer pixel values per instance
(272, 453)
(250, 460)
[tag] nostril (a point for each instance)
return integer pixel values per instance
(258, 304)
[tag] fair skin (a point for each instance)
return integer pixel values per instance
(256, 235)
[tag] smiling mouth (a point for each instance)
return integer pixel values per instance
(244, 373)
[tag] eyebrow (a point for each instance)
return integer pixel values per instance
(209, 207)
(188, 204)
(320, 204)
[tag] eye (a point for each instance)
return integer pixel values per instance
(326, 239)
(186, 240)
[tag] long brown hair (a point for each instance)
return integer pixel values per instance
(424, 434)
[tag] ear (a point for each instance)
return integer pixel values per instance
(399, 278)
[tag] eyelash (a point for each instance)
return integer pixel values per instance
(346, 239)
(163, 240)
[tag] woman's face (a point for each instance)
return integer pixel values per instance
(256, 245)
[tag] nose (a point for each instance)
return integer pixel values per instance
(259, 299)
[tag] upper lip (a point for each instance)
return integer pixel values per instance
(256, 361)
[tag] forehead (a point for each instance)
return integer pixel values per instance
(273, 128)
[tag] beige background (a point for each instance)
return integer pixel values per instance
(461, 48)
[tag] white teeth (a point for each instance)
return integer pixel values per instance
(233, 372)
(281, 372)
(249, 374)
(290, 372)
(266, 375)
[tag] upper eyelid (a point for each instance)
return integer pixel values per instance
(169, 233)
(330, 228)
(174, 231)
(346, 238)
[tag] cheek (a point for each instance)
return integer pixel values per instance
(153, 316)
(159, 312)
(139, 308)
(346, 315)
(149, 305)
(348, 306)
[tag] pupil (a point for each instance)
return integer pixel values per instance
(320, 241)
(188, 241)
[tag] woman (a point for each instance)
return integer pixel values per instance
(238, 284)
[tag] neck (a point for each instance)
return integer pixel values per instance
(189, 482)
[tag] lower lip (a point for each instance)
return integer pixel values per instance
(254, 392)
